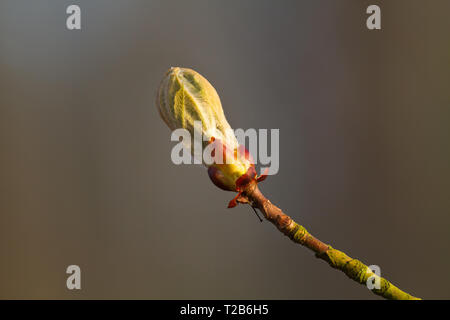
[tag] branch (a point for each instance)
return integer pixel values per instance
(353, 268)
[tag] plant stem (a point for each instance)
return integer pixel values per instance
(353, 268)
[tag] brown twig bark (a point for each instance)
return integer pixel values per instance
(353, 268)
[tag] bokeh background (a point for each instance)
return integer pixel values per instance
(85, 170)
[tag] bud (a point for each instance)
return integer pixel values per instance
(184, 98)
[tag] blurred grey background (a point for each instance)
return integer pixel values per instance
(85, 170)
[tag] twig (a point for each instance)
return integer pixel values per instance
(353, 268)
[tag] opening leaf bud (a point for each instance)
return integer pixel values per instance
(186, 98)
